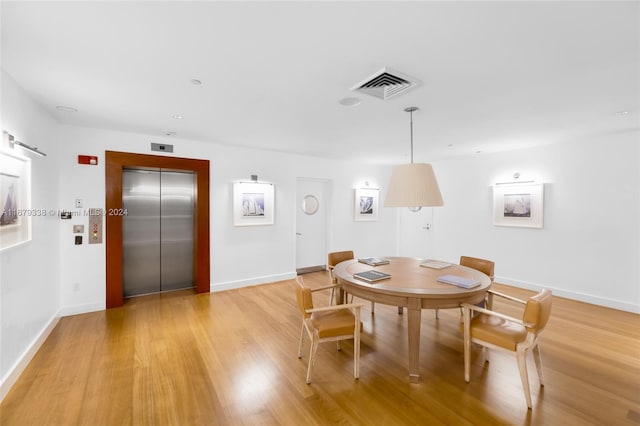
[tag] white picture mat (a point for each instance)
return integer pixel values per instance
(15, 199)
(366, 202)
(520, 205)
(253, 204)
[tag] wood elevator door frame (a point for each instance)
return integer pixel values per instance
(115, 162)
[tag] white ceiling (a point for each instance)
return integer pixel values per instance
(496, 75)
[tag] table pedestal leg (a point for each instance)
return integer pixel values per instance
(414, 311)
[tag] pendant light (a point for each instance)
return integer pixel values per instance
(413, 185)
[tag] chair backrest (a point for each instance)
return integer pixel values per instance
(338, 256)
(485, 266)
(537, 311)
(303, 296)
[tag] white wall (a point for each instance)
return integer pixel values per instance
(29, 285)
(589, 247)
(240, 256)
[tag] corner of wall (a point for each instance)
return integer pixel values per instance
(21, 364)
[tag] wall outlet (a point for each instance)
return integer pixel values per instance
(78, 203)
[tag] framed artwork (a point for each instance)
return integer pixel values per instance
(366, 204)
(253, 203)
(15, 199)
(518, 204)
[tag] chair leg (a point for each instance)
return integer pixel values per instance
(488, 301)
(466, 317)
(333, 290)
(521, 355)
(373, 307)
(300, 345)
(312, 357)
(538, 360)
(356, 346)
(437, 313)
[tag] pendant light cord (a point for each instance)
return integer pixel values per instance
(411, 126)
(410, 110)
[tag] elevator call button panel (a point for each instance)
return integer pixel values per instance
(95, 226)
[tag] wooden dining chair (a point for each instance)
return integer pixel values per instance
(487, 267)
(495, 330)
(330, 323)
(333, 259)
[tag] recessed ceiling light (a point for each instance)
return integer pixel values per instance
(622, 113)
(350, 102)
(168, 132)
(196, 82)
(65, 108)
(178, 117)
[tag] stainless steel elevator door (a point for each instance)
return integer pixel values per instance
(176, 229)
(157, 231)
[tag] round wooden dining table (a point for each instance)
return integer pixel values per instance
(413, 287)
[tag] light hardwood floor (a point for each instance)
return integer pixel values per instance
(230, 358)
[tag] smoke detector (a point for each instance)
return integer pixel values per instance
(386, 84)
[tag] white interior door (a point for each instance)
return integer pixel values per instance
(416, 236)
(311, 225)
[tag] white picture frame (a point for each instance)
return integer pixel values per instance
(366, 202)
(518, 204)
(15, 200)
(253, 204)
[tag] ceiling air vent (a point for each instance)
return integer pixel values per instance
(386, 84)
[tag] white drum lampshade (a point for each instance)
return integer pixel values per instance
(413, 185)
